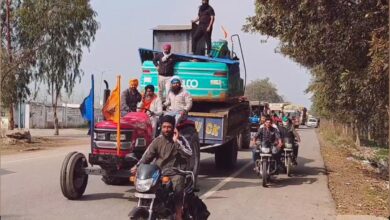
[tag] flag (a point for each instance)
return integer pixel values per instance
(86, 107)
(111, 110)
(225, 33)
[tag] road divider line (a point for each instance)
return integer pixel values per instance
(225, 181)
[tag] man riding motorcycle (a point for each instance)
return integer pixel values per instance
(178, 101)
(268, 133)
(288, 131)
(170, 149)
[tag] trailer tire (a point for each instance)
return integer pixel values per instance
(74, 181)
(192, 137)
(244, 139)
(226, 155)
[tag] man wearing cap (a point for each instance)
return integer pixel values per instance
(164, 63)
(130, 98)
(169, 150)
(179, 100)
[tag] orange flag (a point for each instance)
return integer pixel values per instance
(225, 33)
(111, 110)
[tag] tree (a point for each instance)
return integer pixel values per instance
(61, 28)
(344, 44)
(262, 90)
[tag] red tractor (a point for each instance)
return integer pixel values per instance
(112, 163)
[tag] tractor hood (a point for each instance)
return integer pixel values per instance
(131, 121)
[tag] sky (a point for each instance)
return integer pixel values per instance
(126, 26)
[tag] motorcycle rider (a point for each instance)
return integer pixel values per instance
(268, 133)
(150, 101)
(179, 100)
(290, 132)
(170, 149)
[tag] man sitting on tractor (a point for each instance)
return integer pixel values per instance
(151, 105)
(179, 101)
(170, 149)
(130, 98)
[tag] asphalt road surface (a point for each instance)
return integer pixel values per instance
(30, 189)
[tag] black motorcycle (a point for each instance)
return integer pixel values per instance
(155, 194)
(287, 155)
(265, 164)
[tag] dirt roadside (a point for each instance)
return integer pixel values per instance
(356, 189)
(43, 139)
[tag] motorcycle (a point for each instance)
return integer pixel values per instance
(154, 190)
(265, 164)
(287, 155)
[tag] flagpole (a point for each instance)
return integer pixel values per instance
(92, 124)
(118, 127)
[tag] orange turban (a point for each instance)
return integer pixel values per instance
(133, 82)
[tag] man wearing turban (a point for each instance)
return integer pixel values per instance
(130, 98)
(165, 63)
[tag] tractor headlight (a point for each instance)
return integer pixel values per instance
(143, 185)
(99, 136)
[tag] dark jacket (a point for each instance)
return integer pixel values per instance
(129, 101)
(165, 68)
(268, 135)
(168, 153)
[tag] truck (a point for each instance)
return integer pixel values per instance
(220, 111)
(257, 109)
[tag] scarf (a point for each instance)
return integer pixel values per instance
(165, 57)
(148, 102)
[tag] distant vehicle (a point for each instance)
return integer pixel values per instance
(312, 122)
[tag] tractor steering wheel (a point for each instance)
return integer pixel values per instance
(148, 110)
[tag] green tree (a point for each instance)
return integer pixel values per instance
(262, 90)
(344, 44)
(61, 28)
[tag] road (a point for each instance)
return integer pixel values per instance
(30, 189)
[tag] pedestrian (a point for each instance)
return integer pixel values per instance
(164, 63)
(206, 18)
(130, 98)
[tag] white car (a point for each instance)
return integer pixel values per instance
(312, 122)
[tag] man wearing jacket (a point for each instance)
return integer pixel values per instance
(179, 100)
(130, 98)
(169, 150)
(164, 63)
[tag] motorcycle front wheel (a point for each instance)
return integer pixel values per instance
(264, 175)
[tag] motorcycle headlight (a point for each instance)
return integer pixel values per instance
(265, 150)
(288, 145)
(143, 185)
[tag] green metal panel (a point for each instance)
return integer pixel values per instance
(208, 81)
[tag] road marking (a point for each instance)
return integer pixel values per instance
(225, 181)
